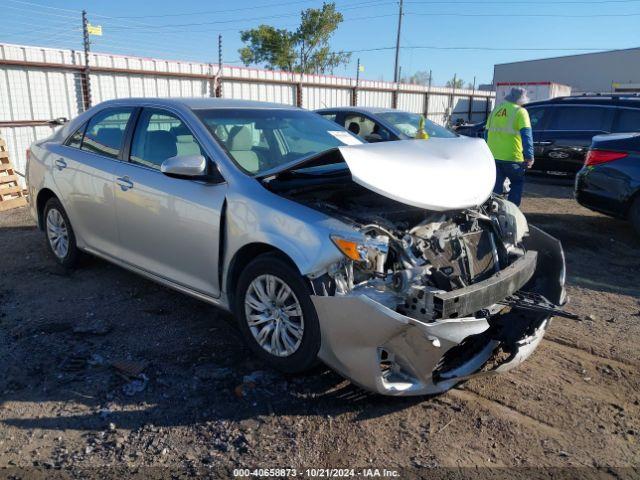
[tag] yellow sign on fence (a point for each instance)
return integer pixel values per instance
(94, 30)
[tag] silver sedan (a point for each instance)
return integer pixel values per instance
(390, 262)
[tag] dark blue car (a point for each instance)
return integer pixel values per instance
(609, 181)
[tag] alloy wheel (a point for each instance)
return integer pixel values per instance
(274, 315)
(57, 233)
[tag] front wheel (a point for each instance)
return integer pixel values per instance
(276, 315)
(60, 237)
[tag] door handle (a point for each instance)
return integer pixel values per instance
(125, 183)
(543, 143)
(60, 164)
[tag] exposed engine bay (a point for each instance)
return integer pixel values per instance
(409, 255)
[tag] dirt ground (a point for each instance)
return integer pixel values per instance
(101, 368)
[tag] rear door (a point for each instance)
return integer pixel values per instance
(562, 145)
(84, 171)
(169, 227)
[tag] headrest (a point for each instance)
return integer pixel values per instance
(110, 137)
(180, 130)
(354, 128)
(159, 146)
(240, 139)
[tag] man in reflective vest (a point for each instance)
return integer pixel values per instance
(508, 133)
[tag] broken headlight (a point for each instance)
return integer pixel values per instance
(370, 252)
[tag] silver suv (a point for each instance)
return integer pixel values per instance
(391, 262)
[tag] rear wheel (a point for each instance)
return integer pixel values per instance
(276, 315)
(634, 214)
(60, 237)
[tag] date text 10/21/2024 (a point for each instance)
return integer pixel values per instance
(317, 472)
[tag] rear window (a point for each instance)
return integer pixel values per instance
(105, 132)
(628, 121)
(581, 118)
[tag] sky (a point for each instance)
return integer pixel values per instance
(461, 37)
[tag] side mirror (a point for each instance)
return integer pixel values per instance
(185, 166)
(373, 138)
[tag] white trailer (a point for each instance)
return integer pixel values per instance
(535, 90)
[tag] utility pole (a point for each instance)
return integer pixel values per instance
(219, 82)
(451, 96)
(395, 66)
(354, 93)
(86, 83)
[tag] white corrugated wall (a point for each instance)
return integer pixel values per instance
(37, 93)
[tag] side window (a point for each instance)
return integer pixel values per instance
(105, 132)
(329, 116)
(359, 125)
(581, 118)
(160, 135)
(364, 127)
(628, 120)
(75, 140)
(536, 115)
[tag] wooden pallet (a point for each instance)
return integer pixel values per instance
(11, 193)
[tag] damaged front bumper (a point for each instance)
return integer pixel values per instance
(389, 353)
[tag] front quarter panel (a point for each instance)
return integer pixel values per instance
(255, 215)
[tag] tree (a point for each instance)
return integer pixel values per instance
(455, 83)
(419, 78)
(304, 50)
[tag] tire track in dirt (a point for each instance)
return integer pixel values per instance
(587, 355)
(509, 413)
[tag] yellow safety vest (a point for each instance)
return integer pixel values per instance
(503, 131)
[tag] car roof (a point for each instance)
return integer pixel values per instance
(199, 103)
(371, 110)
(622, 100)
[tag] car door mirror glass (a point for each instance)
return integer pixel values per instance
(185, 166)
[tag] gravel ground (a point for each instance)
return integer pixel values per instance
(105, 369)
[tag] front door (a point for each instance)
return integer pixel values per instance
(168, 226)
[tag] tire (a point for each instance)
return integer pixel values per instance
(634, 214)
(297, 345)
(60, 237)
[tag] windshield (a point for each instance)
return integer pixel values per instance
(262, 139)
(408, 123)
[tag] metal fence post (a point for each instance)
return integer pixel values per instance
(218, 80)
(425, 104)
(86, 79)
(299, 93)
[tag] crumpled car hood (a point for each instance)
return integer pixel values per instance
(436, 174)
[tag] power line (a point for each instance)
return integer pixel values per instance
(520, 4)
(23, 2)
(177, 29)
(254, 7)
(217, 22)
(501, 49)
(522, 15)
(30, 12)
